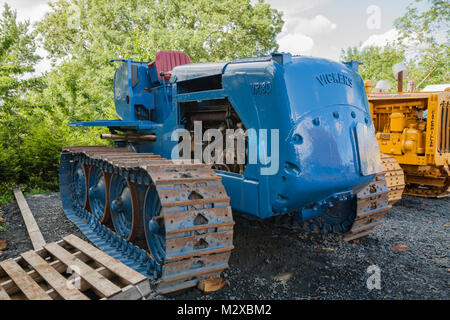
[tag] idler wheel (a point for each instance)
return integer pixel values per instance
(125, 207)
(99, 194)
(154, 228)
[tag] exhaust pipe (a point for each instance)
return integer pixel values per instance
(111, 136)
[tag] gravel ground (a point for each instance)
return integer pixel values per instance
(47, 210)
(274, 263)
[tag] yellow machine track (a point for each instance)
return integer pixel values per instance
(395, 178)
(427, 181)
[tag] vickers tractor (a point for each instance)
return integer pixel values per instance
(169, 215)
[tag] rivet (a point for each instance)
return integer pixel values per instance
(298, 139)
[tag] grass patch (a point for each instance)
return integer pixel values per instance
(32, 191)
(6, 193)
(2, 227)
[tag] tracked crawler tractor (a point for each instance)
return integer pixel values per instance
(169, 216)
(414, 128)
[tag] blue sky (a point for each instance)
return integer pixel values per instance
(312, 27)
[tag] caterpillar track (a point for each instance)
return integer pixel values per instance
(427, 181)
(372, 203)
(170, 221)
(377, 198)
(395, 178)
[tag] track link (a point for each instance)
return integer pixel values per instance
(395, 178)
(372, 203)
(182, 224)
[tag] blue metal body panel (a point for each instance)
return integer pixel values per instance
(319, 107)
(132, 84)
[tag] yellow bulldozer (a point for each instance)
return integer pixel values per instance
(414, 129)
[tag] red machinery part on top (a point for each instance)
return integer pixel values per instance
(167, 60)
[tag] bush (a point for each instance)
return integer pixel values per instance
(29, 153)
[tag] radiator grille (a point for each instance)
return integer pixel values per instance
(444, 143)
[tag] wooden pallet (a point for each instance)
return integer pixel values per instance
(70, 269)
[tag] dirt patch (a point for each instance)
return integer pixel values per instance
(275, 263)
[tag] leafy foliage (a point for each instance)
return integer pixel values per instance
(17, 58)
(33, 126)
(206, 30)
(377, 62)
(428, 33)
(85, 35)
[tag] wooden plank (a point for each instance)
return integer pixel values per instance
(3, 294)
(53, 277)
(96, 280)
(11, 288)
(57, 265)
(133, 292)
(26, 284)
(129, 275)
(33, 230)
(211, 284)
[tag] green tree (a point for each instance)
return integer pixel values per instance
(17, 58)
(427, 34)
(206, 30)
(377, 62)
(82, 36)
(33, 129)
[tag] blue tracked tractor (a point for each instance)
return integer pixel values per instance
(172, 220)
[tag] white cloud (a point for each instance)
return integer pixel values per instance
(412, 47)
(297, 33)
(317, 25)
(381, 40)
(297, 30)
(295, 43)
